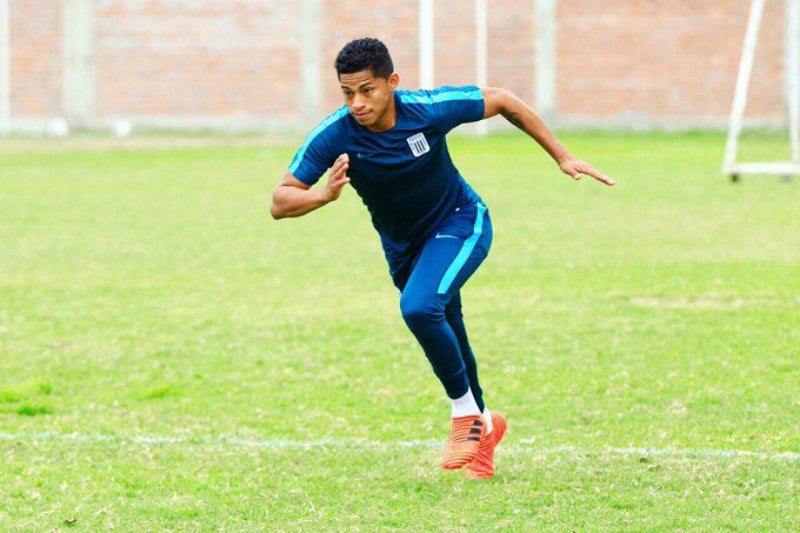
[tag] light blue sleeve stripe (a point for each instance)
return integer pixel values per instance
(463, 254)
(333, 117)
(446, 95)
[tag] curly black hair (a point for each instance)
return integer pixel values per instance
(364, 54)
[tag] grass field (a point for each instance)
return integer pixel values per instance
(173, 359)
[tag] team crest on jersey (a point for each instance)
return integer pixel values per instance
(419, 144)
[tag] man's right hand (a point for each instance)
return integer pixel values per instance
(293, 198)
(337, 178)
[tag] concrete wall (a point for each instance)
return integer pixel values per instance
(267, 64)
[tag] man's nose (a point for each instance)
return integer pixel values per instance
(358, 101)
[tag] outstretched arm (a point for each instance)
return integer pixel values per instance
(503, 102)
(293, 198)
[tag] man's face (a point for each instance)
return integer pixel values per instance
(370, 99)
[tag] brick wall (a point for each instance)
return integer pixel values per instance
(661, 59)
(36, 68)
(231, 63)
(205, 57)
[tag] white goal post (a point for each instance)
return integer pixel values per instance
(792, 92)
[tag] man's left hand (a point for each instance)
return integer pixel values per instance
(576, 167)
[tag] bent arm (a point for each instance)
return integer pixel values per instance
(499, 101)
(293, 198)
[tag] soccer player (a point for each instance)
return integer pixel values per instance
(389, 145)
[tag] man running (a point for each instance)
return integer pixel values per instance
(389, 144)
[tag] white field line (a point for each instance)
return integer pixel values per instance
(521, 448)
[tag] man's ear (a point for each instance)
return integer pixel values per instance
(394, 80)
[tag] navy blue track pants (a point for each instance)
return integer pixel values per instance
(430, 298)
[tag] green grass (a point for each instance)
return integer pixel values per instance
(173, 359)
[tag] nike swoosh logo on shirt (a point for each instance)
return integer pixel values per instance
(363, 156)
(440, 236)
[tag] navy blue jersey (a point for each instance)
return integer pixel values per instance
(404, 175)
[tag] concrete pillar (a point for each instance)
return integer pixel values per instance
(792, 75)
(5, 69)
(311, 93)
(78, 55)
(481, 54)
(426, 44)
(546, 58)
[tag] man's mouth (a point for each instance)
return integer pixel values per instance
(362, 115)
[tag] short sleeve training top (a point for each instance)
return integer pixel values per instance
(403, 175)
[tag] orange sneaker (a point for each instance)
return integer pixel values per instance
(466, 433)
(482, 467)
